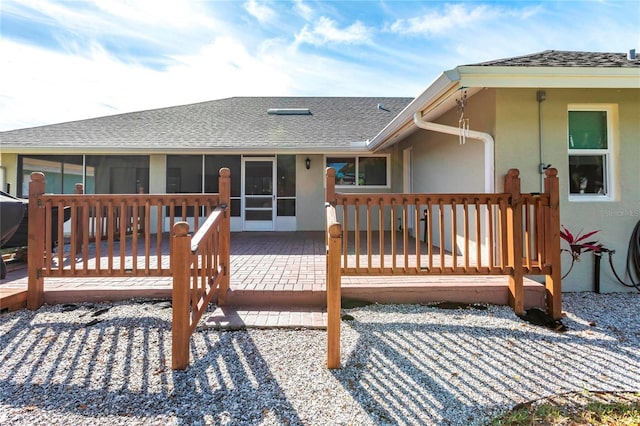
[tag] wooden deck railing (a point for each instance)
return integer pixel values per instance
(509, 233)
(200, 268)
(109, 235)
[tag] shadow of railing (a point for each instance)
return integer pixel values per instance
(120, 366)
(443, 372)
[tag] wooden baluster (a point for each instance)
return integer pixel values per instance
(356, 232)
(79, 229)
(369, 235)
(98, 235)
(381, 232)
(441, 229)
(416, 232)
(405, 234)
(393, 236)
(491, 238)
(478, 235)
(454, 233)
(135, 219)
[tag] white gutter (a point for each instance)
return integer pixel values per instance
(440, 85)
(486, 138)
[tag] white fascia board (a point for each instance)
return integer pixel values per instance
(441, 85)
(103, 150)
(550, 77)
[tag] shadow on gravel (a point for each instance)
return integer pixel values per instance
(121, 367)
(456, 373)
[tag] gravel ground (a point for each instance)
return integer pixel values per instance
(109, 364)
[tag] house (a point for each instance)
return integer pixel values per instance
(576, 111)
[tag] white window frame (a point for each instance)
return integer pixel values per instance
(357, 158)
(607, 154)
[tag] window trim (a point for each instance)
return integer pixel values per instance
(607, 154)
(357, 158)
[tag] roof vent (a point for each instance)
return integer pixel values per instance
(631, 55)
(289, 111)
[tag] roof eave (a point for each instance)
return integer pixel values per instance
(358, 146)
(445, 83)
(550, 77)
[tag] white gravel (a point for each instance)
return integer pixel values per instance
(402, 364)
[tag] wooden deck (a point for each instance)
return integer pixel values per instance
(281, 269)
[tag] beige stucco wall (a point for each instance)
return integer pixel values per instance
(9, 162)
(310, 193)
(516, 137)
(441, 163)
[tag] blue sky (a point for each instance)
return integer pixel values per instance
(70, 60)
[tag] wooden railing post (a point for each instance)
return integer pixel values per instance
(35, 251)
(140, 226)
(329, 196)
(181, 271)
(224, 190)
(333, 292)
(552, 245)
(514, 241)
(330, 187)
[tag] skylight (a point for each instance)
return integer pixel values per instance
(289, 111)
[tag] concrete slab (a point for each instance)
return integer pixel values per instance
(243, 317)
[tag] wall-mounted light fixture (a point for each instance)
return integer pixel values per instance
(307, 163)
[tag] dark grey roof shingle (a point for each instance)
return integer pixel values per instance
(233, 123)
(559, 58)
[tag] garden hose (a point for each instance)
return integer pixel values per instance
(633, 260)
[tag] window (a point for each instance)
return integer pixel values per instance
(286, 185)
(360, 171)
(101, 174)
(590, 152)
(185, 175)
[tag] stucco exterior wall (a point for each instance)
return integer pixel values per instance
(310, 193)
(517, 145)
(9, 162)
(441, 163)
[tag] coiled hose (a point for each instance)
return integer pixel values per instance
(633, 260)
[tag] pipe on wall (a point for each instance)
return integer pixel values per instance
(486, 139)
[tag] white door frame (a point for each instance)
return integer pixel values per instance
(259, 225)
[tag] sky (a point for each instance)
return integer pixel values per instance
(70, 60)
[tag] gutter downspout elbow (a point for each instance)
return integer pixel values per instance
(486, 138)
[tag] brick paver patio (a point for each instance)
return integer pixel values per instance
(277, 279)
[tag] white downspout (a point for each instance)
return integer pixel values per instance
(486, 138)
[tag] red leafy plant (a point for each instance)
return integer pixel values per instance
(577, 242)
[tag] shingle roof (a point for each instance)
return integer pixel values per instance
(233, 123)
(559, 58)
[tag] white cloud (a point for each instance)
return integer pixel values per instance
(204, 60)
(260, 11)
(453, 18)
(303, 9)
(142, 23)
(75, 87)
(326, 31)
(158, 12)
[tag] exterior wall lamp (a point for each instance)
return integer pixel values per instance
(307, 163)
